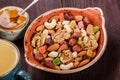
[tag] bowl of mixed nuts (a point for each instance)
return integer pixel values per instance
(66, 40)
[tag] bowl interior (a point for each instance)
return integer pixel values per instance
(96, 18)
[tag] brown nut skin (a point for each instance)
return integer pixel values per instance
(38, 56)
(48, 63)
(63, 47)
(82, 63)
(82, 53)
(68, 16)
(76, 35)
(76, 48)
(72, 42)
(53, 47)
(49, 41)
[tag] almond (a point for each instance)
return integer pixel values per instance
(63, 47)
(82, 53)
(83, 62)
(53, 47)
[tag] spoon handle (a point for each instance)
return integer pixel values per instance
(32, 3)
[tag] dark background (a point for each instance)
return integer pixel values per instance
(108, 67)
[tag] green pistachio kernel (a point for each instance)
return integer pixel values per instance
(96, 29)
(56, 61)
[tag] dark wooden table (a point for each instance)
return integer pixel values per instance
(108, 67)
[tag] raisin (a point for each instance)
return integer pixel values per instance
(68, 16)
(49, 41)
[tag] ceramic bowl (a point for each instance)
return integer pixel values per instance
(96, 16)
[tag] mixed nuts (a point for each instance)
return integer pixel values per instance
(65, 41)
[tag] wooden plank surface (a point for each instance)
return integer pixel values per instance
(108, 67)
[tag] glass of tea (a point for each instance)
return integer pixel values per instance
(12, 25)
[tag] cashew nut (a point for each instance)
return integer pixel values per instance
(67, 66)
(83, 32)
(74, 54)
(94, 43)
(65, 22)
(53, 54)
(67, 27)
(50, 25)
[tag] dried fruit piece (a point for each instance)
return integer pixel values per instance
(89, 53)
(43, 49)
(80, 25)
(78, 18)
(73, 24)
(56, 61)
(96, 29)
(86, 20)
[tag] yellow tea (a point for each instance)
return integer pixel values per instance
(8, 57)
